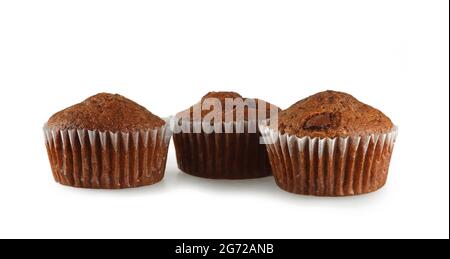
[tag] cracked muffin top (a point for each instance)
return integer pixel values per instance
(105, 112)
(332, 114)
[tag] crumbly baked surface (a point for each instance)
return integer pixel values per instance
(332, 114)
(105, 112)
(251, 107)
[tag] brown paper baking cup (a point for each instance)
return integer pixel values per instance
(329, 167)
(107, 160)
(223, 155)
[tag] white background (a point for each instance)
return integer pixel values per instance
(166, 54)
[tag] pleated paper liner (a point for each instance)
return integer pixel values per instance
(223, 155)
(107, 160)
(329, 167)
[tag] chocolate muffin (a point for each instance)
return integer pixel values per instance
(331, 144)
(107, 142)
(231, 148)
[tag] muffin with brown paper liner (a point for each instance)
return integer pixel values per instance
(107, 142)
(330, 144)
(231, 149)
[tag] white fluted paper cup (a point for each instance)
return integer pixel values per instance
(341, 166)
(107, 160)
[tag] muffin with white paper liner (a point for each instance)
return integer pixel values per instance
(223, 143)
(330, 144)
(107, 142)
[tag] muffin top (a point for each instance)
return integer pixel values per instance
(250, 108)
(105, 112)
(332, 114)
